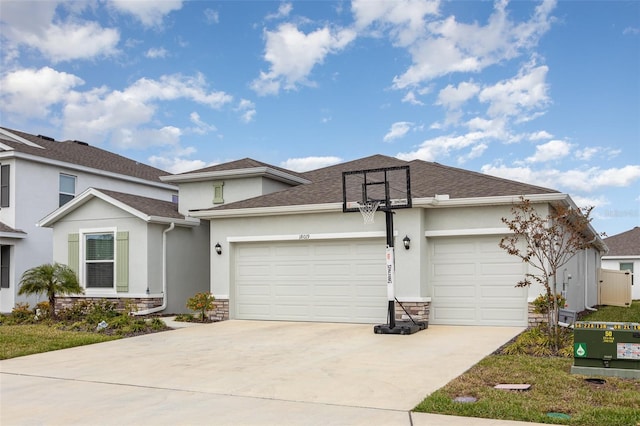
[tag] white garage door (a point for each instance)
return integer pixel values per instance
(330, 281)
(473, 282)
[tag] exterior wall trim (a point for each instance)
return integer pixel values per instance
(306, 237)
(465, 232)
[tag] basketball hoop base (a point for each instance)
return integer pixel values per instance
(401, 327)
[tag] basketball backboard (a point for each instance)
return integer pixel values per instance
(389, 186)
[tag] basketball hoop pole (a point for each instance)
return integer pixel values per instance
(391, 268)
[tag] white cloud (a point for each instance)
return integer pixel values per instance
(404, 19)
(398, 130)
(157, 52)
(100, 112)
(31, 92)
(584, 180)
(293, 54)
(309, 163)
(453, 97)
(442, 146)
(247, 110)
(176, 164)
(451, 46)
(149, 13)
(283, 11)
(525, 92)
(410, 97)
(201, 128)
(211, 16)
(540, 135)
(550, 151)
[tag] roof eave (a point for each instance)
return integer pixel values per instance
(269, 172)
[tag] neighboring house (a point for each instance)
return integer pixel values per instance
(624, 255)
(292, 254)
(38, 175)
(131, 249)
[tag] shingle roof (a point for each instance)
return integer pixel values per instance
(84, 155)
(244, 163)
(6, 228)
(624, 244)
(148, 206)
(427, 180)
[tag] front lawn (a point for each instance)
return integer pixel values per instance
(28, 331)
(556, 396)
(20, 340)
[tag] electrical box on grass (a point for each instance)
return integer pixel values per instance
(606, 349)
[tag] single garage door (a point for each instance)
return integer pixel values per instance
(329, 281)
(473, 282)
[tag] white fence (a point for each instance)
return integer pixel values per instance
(614, 287)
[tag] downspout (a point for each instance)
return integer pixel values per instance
(586, 278)
(164, 275)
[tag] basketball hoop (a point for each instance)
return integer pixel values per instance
(368, 210)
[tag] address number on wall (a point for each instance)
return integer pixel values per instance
(305, 236)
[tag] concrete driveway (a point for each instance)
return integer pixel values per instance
(245, 372)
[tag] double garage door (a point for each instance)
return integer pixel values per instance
(472, 281)
(328, 281)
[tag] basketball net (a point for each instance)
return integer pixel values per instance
(368, 210)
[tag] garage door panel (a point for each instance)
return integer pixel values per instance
(453, 314)
(454, 292)
(449, 247)
(502, 269)
(342, 281)
(454, 269)
(473, 282)
(501, 313)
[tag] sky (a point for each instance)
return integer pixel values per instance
(546, 93)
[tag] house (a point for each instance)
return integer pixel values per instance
(624, 255)
(131, 249)
(293, 254)
(37, 176)
(280, 246)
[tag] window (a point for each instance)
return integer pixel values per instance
(5, 259)
(67, 189)
(99, 251)
(627, 266)
(217, 193)
(4, 185)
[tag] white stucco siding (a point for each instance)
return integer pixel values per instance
(199, 195)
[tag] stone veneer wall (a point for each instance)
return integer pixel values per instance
(535, 319)
(419, 311)
(121, 303)
(221, 310)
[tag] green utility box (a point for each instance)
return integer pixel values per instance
(606, 349)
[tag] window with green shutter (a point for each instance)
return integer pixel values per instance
(122, 261)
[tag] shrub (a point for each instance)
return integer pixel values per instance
(201, 302)
(21, 314)
(544, 302)
(538, 342)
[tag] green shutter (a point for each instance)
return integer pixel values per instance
(218, 197)
(122, 261)
(73, 260)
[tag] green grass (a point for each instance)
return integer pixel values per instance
(614, 313)
(554, 388)
(20, 340)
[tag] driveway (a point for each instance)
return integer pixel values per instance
(244, 372)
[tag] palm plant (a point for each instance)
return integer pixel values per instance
(52, 279)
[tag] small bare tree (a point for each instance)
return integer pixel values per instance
(549, 243)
